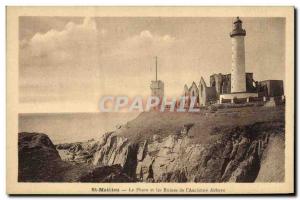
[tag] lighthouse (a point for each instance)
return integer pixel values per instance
(238, 78)
(240, 85)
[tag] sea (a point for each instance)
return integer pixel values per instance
(73, 127)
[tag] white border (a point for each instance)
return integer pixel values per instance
(94, 2)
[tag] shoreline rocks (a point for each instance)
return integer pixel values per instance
(234, 157)
(165, 148)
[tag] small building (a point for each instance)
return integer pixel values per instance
(219, 89)
(157, 88)
(220, 85)
(216, 81)
(270, 88)
(207, 95)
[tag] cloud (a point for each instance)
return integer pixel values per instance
(86, 40)
(56, 46)
(146, 34)
(156, 43)
(85, 59)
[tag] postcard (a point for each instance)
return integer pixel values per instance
(150, 100)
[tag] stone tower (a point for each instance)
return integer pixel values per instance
(157, 86)
(238, 78)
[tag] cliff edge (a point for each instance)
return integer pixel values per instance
(229, 145)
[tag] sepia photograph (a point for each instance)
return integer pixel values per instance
(150, 100)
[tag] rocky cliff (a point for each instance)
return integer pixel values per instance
(205, 147)
(38, 158)
(39, 161)
(229, 154)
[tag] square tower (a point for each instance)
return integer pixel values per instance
(157, 86)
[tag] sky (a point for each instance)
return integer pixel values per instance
(80, 59)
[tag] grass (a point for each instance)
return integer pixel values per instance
(205, 123)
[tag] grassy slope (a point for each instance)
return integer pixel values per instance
(149, 123)
(205, 122)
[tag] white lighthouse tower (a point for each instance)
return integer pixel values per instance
(238, 76)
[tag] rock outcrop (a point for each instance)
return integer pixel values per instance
(39, 161)
(167, 147)
(232, 155)
(107, 174)
(38, 158)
